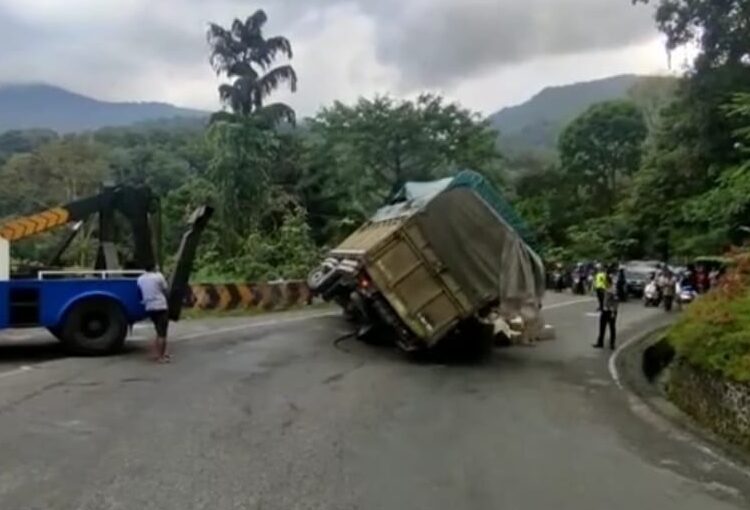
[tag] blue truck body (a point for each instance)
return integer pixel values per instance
(89, 310)
(47, 302)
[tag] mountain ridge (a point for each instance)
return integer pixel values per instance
(536, 123)
(40, 105)
(531, 126)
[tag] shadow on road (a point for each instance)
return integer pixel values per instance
(39, 350)
(457, 350)
(35, 351)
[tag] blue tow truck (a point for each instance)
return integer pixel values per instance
(90, 311)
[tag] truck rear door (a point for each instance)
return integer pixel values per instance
(413, 281)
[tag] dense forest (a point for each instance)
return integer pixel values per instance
(664, 173)
(667, 175)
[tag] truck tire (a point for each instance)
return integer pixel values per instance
(94, 327)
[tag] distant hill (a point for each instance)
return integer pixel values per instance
(36, 106)
(537, 123)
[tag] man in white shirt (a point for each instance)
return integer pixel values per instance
(153, 288)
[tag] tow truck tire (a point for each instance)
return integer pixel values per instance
(94, 327)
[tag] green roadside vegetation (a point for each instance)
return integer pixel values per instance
(713, 335)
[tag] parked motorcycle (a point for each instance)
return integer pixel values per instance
(651, 295)
(686, 294)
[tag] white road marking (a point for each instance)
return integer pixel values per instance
(612, 364)
(255, 325)
(16, 371)
(568, 303)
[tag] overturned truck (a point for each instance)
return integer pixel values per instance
(445, 259)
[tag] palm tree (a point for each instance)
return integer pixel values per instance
(246, 57)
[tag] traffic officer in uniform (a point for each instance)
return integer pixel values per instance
(608, 315)
(600, 285)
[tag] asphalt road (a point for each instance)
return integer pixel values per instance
(271, 413)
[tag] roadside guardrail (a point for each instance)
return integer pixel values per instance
(269, 296)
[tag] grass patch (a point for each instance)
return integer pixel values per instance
(714, 332)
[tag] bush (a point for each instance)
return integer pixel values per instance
(288, 252)
(714, 332)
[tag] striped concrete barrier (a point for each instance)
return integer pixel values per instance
(280, 295)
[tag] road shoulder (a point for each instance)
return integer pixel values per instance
(702, 453)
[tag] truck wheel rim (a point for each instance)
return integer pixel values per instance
(94, 324)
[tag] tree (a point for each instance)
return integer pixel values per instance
(726, 206)
(546, 199)
(651, 94)
(179, 203)
(246, 57)
(601, 148)
(19, 142)
(241, 169)
(356, 156)
(287, 252)
(55, 173)
(719, 28)
(396, 141)
(244, 143)
(693, 162)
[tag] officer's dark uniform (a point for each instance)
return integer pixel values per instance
(608, 319)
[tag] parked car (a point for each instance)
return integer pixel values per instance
(637, 277)
(652, 264)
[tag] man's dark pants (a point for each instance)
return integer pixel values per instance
(600, 297)
(607, 319)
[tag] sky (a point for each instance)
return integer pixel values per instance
(486, 54)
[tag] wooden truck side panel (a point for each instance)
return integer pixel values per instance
(411, 278)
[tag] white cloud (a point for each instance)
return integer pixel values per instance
(338, 62)
(485, 53)
(515, 84)
(58, 12)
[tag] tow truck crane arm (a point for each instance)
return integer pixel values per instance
(178, 282)
(134, 203)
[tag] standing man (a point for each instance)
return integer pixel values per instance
(153, 288)
(621, 285)
(608, 316)
(668, 289)
(600, 285)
